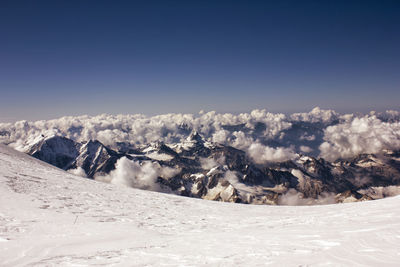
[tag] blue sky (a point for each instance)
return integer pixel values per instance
(88, 57)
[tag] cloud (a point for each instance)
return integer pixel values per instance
(78, 172)
(139, 129)
(138, 175)
(221, 137)
(307, 137)
(263, 154)
(209, 163)
(295, 198)
(360, 181)
(389, 115)
(305, 149)
(378, 192)
(260, 133)
(367, 134)
(316, 115)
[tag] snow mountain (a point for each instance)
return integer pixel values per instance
(202, 169)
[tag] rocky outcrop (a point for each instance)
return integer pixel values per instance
(222, 173)
(94, 158)
(56, 150)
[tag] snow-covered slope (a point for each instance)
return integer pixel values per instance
(49, 217)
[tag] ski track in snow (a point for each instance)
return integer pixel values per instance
(49, 217)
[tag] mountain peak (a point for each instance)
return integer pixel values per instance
(195, 136)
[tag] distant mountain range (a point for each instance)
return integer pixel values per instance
(258, 157)
(202, 169)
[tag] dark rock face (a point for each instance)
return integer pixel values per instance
(229, 174)
(58, 151)
(94, 158)
(4, 133)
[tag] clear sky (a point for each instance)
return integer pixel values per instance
(90, 57)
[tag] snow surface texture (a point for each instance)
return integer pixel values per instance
(264, 136)
(49, 217)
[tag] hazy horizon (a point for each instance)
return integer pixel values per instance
(48, 117)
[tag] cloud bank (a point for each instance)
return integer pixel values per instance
(367, 134)
(138, 175)
(265, 136)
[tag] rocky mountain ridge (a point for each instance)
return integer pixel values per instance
(219, 172)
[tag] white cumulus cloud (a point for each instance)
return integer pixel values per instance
(263, 154)
(367, 134)
(138, 175)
